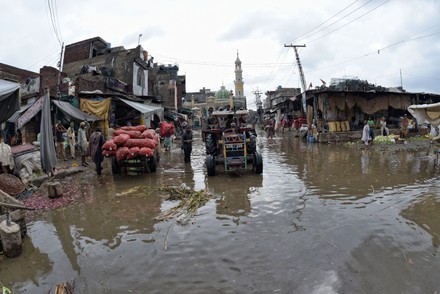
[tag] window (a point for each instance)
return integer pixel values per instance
(140, 78)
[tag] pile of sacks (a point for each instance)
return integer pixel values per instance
(130, 142)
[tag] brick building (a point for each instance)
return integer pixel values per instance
(93, 64)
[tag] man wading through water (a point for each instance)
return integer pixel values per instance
(187, 143)
(96, 142)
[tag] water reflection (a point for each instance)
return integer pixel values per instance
(233, 192)
(365, 161)
(320, 219)
(43, 254)
(343, 173)
(424, 211)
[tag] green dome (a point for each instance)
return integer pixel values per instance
(222, 94)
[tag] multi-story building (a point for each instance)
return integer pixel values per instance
(281, 99)
(94, 65)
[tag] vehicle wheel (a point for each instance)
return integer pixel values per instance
(116, 169)
(211, 144)
(252, 145)
(152, 164)
(210, 165)
(258, 163)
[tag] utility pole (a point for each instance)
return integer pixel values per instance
(60, 67)
(303, 79)
(258, 103)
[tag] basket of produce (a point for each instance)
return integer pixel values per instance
(11, 184)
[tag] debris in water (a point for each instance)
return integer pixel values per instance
(190, 201)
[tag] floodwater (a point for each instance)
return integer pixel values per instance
(320, 219)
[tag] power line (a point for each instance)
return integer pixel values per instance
(54, 20)
(57, 19)
(209, 63)
(52, 59)
(383, 48)
(311, 30)
(362, 15)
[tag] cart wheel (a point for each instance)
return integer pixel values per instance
(258, 163)
(210, 165)
(153, 164)
(116, 169)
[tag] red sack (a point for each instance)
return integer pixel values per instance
(167, 129)
(109, 152)
(145, 151)
(132, 134)
(140, 143)
(139, 128)
(133, 152)
(148, 134)
(109, 145)
(121, 153)
(120, 139)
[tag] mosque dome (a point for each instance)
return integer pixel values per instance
(222, 94)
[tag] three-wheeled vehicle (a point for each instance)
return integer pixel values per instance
(232, 149)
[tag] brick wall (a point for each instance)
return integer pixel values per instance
(49, 78)
(76, 52)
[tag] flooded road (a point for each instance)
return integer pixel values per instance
(320, 219)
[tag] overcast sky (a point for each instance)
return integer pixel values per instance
(386, 42)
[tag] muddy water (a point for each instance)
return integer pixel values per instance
(320, 219)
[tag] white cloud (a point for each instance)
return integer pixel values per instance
(204, 36)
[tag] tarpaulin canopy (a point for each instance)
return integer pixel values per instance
(48, 155)
(14, 118)
(144, 109)
(426, 113)
(100, 108)
(9, 99)
(30, 113)
(74, 112)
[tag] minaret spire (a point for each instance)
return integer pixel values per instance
(238, 78)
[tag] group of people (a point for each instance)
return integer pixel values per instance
(368, 130)
(88, 146)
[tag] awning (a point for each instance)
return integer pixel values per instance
(14, 118)
(9, 99)
(30, 112)
(426, 113)
(143, 108)
(71, 111)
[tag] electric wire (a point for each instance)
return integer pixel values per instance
(362, 15)
(305, 35)
(375, 52)
(45, 58)
(54, 20)
(57, 19)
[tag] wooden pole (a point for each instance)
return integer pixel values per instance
(6, 198)
(7, 205)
